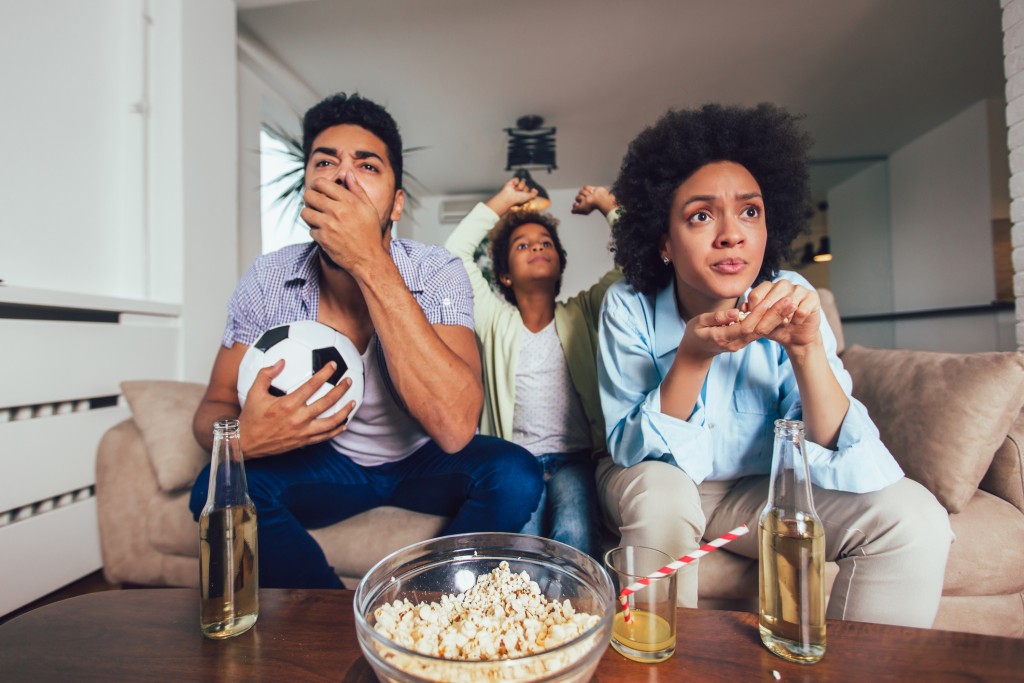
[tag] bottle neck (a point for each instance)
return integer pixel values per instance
(227, 472)
(790, 486)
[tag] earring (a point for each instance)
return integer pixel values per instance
(666, 260)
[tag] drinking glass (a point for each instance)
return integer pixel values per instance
(650, 633)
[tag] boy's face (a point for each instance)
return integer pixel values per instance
(531, 255)
(338, 150)
(716, 236)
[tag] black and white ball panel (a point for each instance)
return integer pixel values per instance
(306, 347)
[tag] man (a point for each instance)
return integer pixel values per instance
(407, 307)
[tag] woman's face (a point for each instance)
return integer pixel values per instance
(532, 256)
(716, 237)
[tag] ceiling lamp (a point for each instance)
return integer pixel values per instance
(530, 145)
(824, 253)
(808, 255)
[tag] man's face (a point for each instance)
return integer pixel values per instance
(716, 236)
(344, 149)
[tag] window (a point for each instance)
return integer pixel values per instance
(280, 222)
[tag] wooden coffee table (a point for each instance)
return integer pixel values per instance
(309, 635)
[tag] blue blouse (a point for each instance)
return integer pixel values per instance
(731, 431)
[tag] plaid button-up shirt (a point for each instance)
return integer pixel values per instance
(284, 286)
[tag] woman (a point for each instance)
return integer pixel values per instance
(540, 380)
(707, 342)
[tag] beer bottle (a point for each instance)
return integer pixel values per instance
(228, 560)
(792, 555)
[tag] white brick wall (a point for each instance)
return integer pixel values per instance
(1013, 49)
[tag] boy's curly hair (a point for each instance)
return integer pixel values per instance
(766, 140)
(355, 110)
(501, 236)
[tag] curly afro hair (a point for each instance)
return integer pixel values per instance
(341, 109)
(766, 140)
(501, 237)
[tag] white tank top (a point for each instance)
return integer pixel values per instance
(381, 431)
(548, 416)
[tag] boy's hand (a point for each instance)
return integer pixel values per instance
(592, 197)
(513, 193)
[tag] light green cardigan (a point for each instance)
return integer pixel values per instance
(499, 330)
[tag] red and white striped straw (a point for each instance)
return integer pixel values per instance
(673, 566)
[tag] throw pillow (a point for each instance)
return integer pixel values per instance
(163, 412)
(942, 415)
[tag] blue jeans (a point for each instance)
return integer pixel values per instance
(490, 485)
(567, 510)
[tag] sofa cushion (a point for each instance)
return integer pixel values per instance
(170, 527)
(1005, 476)
(354, 545)
(163, 412)
(987, 557)
(942, 415)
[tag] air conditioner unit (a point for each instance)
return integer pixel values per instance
(454, 210)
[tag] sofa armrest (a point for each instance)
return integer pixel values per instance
(1005, 476)
(125, 483)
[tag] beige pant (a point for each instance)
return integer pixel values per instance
(890, 545)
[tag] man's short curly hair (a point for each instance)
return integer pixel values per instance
(341, 109)
(766, 140)
(501, 236)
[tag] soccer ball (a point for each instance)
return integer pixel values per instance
(306, 346)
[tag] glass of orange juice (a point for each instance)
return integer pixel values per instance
(649, 633)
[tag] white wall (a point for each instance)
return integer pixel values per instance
(120, 174)
(71, 181)
(120, 197)
(210, 145)
(915, 234)
(860, 273)
(1013, 48)
(267, 93)
(195, 168)
(941, 198)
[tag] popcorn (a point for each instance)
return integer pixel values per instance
(503, 616)
(742, 316)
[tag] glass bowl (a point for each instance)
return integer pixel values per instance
(449, 565)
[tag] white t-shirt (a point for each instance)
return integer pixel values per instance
(548, 416)
(383, 431)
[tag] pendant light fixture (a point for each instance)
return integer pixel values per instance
(531, 146)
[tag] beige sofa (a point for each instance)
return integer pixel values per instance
(953, 421)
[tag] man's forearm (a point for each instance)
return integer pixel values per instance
(208, 413)
(440, 389)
